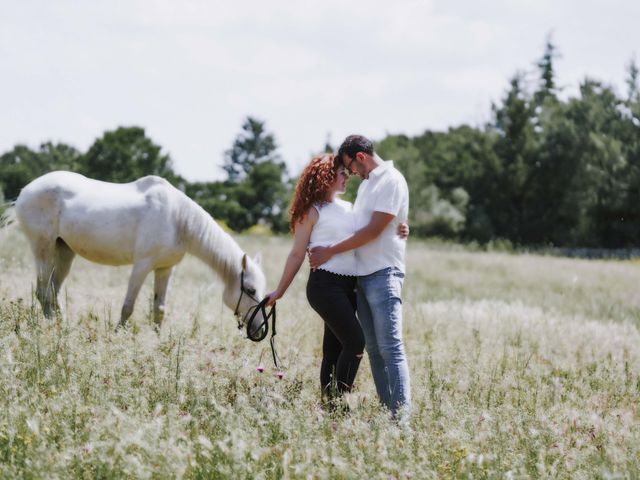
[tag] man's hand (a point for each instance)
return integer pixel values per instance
(403, 231)
(318, 256)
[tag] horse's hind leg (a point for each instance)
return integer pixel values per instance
(138, 274)
(53, 261)
(161, 285)
(62, 264)
(44, 253)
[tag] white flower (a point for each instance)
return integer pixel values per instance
(205, 442)
(34, 425)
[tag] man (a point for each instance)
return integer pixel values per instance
(381, 204)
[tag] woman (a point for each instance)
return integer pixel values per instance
(319, 218)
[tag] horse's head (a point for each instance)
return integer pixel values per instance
(245, 291)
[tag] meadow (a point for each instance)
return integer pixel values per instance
(523, 366)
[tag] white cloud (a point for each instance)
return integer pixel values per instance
(190, 71)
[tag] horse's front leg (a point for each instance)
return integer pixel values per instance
(161, 286)
(139, 272)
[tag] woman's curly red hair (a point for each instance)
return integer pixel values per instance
(313, 185)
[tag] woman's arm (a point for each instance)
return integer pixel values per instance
(302, 234)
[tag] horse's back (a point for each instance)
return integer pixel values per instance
(102, 221)
(69, 183)
(145, 183)
(71, 191)
(48, 186)
(42, 202)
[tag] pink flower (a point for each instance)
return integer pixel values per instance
(279, 374)
(260, 368)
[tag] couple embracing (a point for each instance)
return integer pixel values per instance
(357, 267)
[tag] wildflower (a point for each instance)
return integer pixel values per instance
(34, 425)
(260, 368)
(205, 442)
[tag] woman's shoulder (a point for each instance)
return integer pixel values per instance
(310, 217)
(344, 204)
(335, 207)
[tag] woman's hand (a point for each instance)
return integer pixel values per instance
(273, 297)
(403, 231)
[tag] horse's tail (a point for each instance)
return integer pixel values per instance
(7, 214)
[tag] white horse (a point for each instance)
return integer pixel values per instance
(147, 223)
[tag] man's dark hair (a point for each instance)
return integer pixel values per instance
(354, 144)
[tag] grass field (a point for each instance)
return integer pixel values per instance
(522, 366)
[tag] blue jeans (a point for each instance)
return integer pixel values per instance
(380, 314)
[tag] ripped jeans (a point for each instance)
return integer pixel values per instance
(380, 314)
(333, 297)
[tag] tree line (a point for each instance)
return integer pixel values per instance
(256, 191)
(545, 170)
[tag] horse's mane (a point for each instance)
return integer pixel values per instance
(205, 239)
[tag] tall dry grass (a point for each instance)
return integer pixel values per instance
(522, 366)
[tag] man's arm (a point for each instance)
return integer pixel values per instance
(377, 224)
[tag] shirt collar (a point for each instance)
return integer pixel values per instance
(380, 169)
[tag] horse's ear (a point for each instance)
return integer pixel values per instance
(244, 262)
(258, 258)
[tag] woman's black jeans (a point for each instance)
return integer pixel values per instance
(333, 297)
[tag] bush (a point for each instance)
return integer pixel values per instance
(440, 216)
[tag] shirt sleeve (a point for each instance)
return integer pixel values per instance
(390, 197)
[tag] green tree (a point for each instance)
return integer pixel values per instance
(328, 146)
(515, 147)
(21, 164)
(630, 136)
(464, 169)
(606, 148)
(442, 170)
(409, 159)
(633, 90)
(257, 189)
(124, 155)
(253, 145)
(269, 194)
(584, 172)
(17, 168)
(547, 85)
(59, 156)
(561, 185)
(220, 200)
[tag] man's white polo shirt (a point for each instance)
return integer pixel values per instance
(384, 191)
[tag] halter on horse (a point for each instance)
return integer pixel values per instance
(257, 334)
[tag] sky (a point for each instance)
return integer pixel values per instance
(191, 71)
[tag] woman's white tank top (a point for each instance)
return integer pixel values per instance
(335, 223)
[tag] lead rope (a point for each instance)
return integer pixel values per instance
(272, 340)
